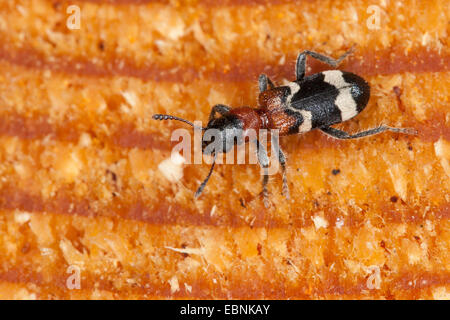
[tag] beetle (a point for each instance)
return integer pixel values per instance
(310, 102)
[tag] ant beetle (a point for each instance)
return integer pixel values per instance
(310, 102)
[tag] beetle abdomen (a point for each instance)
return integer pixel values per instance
(326, 98)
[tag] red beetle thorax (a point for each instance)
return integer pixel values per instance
(251, 118)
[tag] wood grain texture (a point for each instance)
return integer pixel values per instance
(80, 157)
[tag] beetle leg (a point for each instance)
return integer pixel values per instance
(282, 160)
(263, 160)
(300, 66)
(264, 82)
(339, 134)
(202, 186)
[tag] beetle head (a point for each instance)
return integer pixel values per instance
(222, 134)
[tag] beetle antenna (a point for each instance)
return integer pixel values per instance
(202, 186)
(169, 117)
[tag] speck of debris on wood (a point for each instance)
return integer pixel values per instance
(184, 245)
(259, 248)
(316, 203)
(113, 175)
(26, 248)
(383, 245)
(335, 171)
(398, 92)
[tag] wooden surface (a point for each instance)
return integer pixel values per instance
(80, 157)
